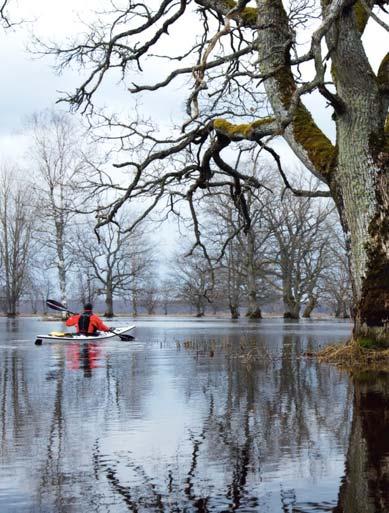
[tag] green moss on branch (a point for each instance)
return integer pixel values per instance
(361, 16)
(383, 74)
(241, 131)
(248, 15)
(320, 150)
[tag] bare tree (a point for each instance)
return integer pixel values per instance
(149, 297)
(16, 226)
(115, 260)
(336, 282)
(85, 283)
(167, 294)
(298, 251)
(39, 286)
(193, 278)
(227, 230)
(238, 45)
(221, 228)
(58, 161)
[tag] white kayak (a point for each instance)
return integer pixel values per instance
(101, 335)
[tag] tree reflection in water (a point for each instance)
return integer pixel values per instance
(268, 412)
(260, 427)
(365, 487)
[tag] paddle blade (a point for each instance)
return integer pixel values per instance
(126, 338)
(56, 305)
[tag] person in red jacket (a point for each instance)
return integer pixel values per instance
(87, 323)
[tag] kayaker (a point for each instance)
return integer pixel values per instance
(87, 323)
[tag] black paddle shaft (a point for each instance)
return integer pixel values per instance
(55, 305)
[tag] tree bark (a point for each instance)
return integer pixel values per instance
(309, 307)
(291, 307)
(200, 312)
(360, 185)
(254, 310)
(234, 309)
(292, 313)
(59, 228)
(109, 301)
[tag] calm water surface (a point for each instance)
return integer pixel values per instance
(192, 416)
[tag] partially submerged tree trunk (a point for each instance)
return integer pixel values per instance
(234, 309)
(200, 311)
(254, 310)
(310, 306)
(360, 185)
(292, 312)
(292, 305)
(109, 300)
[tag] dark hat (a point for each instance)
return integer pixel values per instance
(88, 307)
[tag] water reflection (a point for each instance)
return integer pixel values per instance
(365, 488)
(85, 356)
(202, 418)
(12, 324)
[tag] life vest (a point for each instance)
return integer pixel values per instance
(83, 323)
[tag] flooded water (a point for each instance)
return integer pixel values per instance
(192, 416)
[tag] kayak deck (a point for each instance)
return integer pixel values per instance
(102, 335)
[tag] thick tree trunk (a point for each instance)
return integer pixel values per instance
(200, 311)
(109, 301)
(254, 310)
(309, 307)
(291, 309)
(59, 227)
(234, 309)
(292, 306)
(11, 309)
(360, 185)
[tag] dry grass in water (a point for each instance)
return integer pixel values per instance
(352, 356)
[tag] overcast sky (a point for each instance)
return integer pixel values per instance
(30, 84)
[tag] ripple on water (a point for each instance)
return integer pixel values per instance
(191, 416)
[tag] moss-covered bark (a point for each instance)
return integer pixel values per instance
(360, 184)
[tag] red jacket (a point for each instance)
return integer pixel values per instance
(95, 323)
